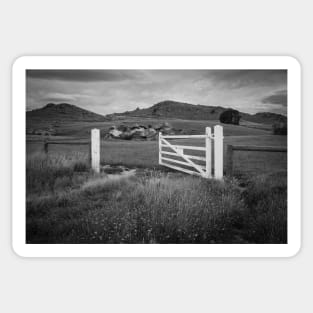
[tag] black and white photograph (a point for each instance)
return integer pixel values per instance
(161, 156)
(156, 156)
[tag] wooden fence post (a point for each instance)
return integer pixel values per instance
(95, 150)
(45, 146)
(208, 152)
(89, 151)
(218, 152)
(229, 160)
(160, 148)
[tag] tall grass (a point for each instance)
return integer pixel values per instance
(155, 210)
(266, 200)
(49, 173)
(68, 206)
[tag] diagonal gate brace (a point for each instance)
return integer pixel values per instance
(181, 154)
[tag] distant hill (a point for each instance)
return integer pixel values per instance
(64, 111)
(174, 109)
(46, 120)
(264, 117)
(187, 111)
(57, 119)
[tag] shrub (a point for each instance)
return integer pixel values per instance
(230, 117)
(280, 128)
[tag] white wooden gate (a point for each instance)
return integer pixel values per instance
(189, 160)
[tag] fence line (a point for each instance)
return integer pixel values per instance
(93, 148)
(232, 148)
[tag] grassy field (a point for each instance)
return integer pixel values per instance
(66, 203)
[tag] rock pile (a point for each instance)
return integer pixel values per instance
(140, 132)
(43, 132)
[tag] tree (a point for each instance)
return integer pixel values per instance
(280, 128)
(230, 116)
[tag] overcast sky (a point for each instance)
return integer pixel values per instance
(110, 91)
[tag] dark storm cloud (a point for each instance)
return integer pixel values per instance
(83, 75)
(243, 78)
(279, 97)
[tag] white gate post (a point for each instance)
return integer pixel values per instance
(160, 148)
(208, 152)
(218, 152)
(95, 150)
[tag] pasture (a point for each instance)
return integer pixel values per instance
(145, 153)
(66, 203)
